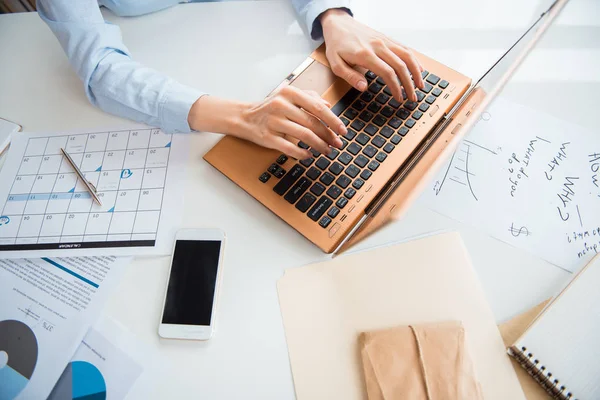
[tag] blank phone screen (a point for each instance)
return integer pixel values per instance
(192, 282)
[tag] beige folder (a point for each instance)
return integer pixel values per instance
(326, 305)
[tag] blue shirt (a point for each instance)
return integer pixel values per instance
(116, 83)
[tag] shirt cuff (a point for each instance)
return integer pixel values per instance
(176, 107)
(316, 8)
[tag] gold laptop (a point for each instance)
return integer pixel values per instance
(391, 149)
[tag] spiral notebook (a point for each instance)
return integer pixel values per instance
(560, 349)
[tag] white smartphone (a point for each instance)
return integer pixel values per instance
(192, 291)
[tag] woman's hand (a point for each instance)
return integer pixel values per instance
(351, 43)
(287, 115)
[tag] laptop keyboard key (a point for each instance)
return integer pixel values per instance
(403, 113)
(281, 159)
(379, 120)
(380, 81)
(334, 192)
(410, 105)
(317, 189)
(341, 203)
(366, 174)
(374, 107)
(303, 145)
(319, 208)
(289, 179)
(410, 123)
(327, 178)
(394, 103)
(424, 74)
(345, 101)
(313, 173)
(375, 88)
(324, 222)
(361, 160)
(350, 113)
(366, 116)
(378, 141)
(345, 158)
(387, 111)
(436, 92)
(443, 84)
(402, 132)
(273, 168)
(388, 91)
(323, 163)
(433, 79)
(371, 129)
(388, 148)
(279, 173)
(430, 99)
(305, 202)
(345, 121)
(307, 161)
(370, 75)
(357, 125)
(387, 132)
(359, 104)
(343, 181)
(336, 168)
(381, 156)
(369, 151)
(427, 87)
(354, 148)
(264, 177)
(382, 98)
(420, 96)
(349, 193)
(396, 139)
(362, 139)
(333, 212)
(424, 107)
(298, 190)
(352, 171)
(367, 96)
(417, 114)
(373, 165)
(395, 123)
(358, 183)
(333, 154)
(350, 134)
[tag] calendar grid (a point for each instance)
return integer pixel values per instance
(49, 207)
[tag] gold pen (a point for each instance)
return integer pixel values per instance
(91, 188)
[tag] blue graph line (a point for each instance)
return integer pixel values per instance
(68, 271)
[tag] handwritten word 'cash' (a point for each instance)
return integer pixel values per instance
(517, 168)
(556, 161)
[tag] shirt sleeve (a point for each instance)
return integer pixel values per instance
(309, 11)
(112, 80)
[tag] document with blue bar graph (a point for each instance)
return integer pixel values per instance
(45, 209)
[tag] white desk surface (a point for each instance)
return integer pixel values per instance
(218, 47)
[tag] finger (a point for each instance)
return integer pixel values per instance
(401, 71)
(302, 133)
(347, 73)
(317, 96)
(287, 147)
(322, 112)
(307, 120)
(411, 62)
(384, 70)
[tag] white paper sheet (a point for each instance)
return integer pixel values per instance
(529, 179)
(46, 308)
(109, 363)
(46, 210)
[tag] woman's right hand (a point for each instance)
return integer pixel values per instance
(286, 116)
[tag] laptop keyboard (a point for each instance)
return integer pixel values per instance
(322, 185)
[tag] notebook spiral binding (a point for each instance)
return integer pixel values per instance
(540, 374)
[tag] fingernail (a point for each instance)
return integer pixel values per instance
(338, 142)
(362, 86)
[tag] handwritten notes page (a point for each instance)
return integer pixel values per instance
(528, 179)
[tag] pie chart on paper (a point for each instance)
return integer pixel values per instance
(80, 381)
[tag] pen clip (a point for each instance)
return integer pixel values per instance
(92, 186)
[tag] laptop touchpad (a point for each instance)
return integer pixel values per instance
(316, 77)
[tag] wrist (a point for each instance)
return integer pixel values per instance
(329, 17)
(212, 114)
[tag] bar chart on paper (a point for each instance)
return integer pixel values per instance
(45, 207)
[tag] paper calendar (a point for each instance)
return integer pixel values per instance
(45, 208)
